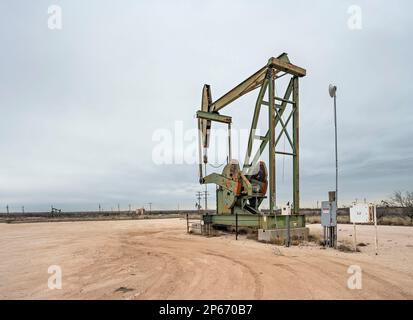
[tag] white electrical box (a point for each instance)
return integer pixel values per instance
(286, 211)
(362, 213)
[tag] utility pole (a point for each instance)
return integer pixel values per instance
(150, 207)
(333, 93)
(118, 208)
(206, 194)
(100, 208)
(23, 209)
(7, 208)
(198, 196)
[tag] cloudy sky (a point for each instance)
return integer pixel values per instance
(82, 106)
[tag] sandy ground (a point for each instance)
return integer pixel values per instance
(156, 259)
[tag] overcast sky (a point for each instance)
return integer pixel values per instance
(80, 106)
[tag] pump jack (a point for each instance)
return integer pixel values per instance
(241, 192)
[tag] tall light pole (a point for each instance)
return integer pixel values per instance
(332, 90)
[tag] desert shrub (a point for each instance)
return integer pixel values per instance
(346, 248)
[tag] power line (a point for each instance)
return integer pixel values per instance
(202, 195)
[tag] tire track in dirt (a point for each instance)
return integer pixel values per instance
(258, 291)
(178, 271)
(333, 277)
(296, 274)
(168, 248)
(164, 283)
(381, 281)
(322, 271)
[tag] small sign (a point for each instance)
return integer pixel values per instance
(362, 213)
(286, 211)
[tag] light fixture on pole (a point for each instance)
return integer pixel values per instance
(332, 90)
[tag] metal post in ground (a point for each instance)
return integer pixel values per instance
(376, 241)
(324, 234)
(354, 238)
(236, 226)
(187, 223)
(287, 244)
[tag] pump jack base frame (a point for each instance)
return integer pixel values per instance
(271, 229)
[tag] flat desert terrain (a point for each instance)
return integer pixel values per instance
(157, 259)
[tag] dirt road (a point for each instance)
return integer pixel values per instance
(156, 259)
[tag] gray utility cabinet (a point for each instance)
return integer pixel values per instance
(328, 214)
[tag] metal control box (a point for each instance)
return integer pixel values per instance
(328, 214)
